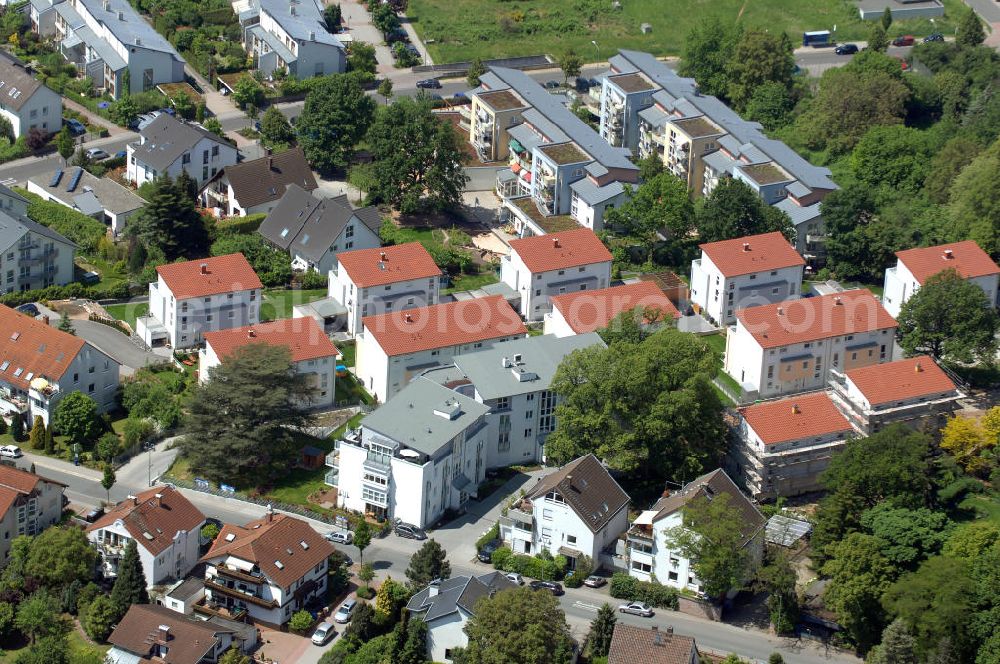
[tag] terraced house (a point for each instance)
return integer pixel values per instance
(290, 36)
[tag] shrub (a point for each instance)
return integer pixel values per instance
(541, 566)
(241, 225)
(490, 535)
(628, 588)
(85, 231)
(301, 622)
(75, 290)
(311, 280)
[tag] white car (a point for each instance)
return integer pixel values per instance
(340, 537)
(12, 451)
(324, 633)
(637, 609)
(97, 154)
(346, 610)
(514, 577)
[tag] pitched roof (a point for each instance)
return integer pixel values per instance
(388, 265)
(15, 482)
(631, 645)
(796, 418)
(30, 349)
(587, 488)
(967, 258)
(708, 486)
(454, 593)
(110, 195)
(754, 253)
(302, 336)
(587, 311)
(559, 251)
(188, 640)
(210, 276)
(13, 229)
(442, 325)
(263, 180)
(153, 522)
(812, 318)
(910, 378)
(285, 548)
(165, 139)
(16, 83)
(131, 30)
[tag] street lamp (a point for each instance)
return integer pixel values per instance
(149, 464)
(594, 42)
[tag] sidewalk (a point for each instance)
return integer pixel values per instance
(357, 22)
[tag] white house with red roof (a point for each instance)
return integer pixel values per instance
(589, 311)
(395, 347)
(544, 266)
(165, 526)
(269, 568)
(745, 272)
(915, 266)
(192, 298)
(40, 364)
(312, 353)
(29, 503)
(790, 347)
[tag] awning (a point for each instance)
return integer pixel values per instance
(645, 519)
(515, 168)
(515, 145)
(569, 553)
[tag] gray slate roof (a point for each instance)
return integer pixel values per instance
(307, 23)
(12, 230)
(457, 592)
(16, 83)
(799, 214)
(165, 139)
(110, 195)
(131, 27)
(592, 194)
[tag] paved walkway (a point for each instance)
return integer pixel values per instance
(357, 22)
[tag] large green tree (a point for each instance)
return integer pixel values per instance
(662, 203)
(894, 158)
(362, 58)
(336, 115)
(100, 617)
(169, 222)
(602, 628)
(777, 578)
(947, 164)
(708, 50)
(908, 536)
(275, 129)
(970, 30)
(734, 210)
(974, 210)
(860, 240)
(771, 105)
(517, 625)
(59, 556)
(428, 563)
(897, 647)
(76, 418)
(40, 616)
(760, 57)
(130, 585)
(859, 574)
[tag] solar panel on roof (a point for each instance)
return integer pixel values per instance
(56, 177)
(75, 181)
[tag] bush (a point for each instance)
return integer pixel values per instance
(584, 568)
(85, 231)
(541, 566)
(490, 535)
(301, 622)
(241, 225)
(631, 589)
(311, 280)
(75, 290)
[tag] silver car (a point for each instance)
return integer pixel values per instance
(637, 609)
(340, 537)
(345, 612)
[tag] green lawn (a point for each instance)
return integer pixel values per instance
(278, 303)
(985, 506)
(349, 351)
(463, 282)
(128, 312)
(78, 645)
(350, 390)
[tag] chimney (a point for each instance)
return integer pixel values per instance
(382, 257)
(795, 409)
(163, 633)
(312, 36)
(746, 246)
(159, 499)
(204, 268)
(134, 499)
(657, 639)
(838, 302)
(432, 589)
(917, 368)
(107, 5)
(670, 629)
(948, 254)
(270, 164)
(252, 333)
(569, 480)
(270, 514)
(555, 242)
(138, 42)
(781, 311)
(45, 318)
(121, 16)
(408, 318)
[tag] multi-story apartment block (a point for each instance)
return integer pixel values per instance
(915, 266)
(39, 365)
(168, 146)
(109, 42)
(395, 347)
(25, 102)
(513, 379)
(256, 186)
(789, 347)
(419, 454)
(192, 298)
(29, 503)
(647, 108)
(538, 268)
(291, 36)
(312, 353)
(560, 173)
(745, 272)
(32, 256)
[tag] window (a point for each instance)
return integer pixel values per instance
(204, 157)
(90, 388)
(503, 403)
(547, 514)
(571, 539)
(646, 568)
(530, 397)
(186, 158)
(529, 414)
(215, 150)
(527, 432)
(672, 576)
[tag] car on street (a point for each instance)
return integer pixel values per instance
(515, 578)
(551, 85)
(97, 154)
(903, 40)
(485, 554)
(346, 610)
(93, 515)
(340, 537)
(637, 609)
(846, 49)
(409, 531)
(324, 633)
(553, 587)
(121, 154)
(429, 84)
(12, 451)
(934, 37)
(75, 126)
(28, 309)
(594, 581)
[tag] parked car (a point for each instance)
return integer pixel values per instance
(594, 581)
(93, 515)
(346, 610)
(485, 554)
(637, 609)
(97, 154)
(905, 40)
(90, 277)
(552, 85)
(582, 84)
(340, 537)
(553, 587)
(515, 578)
(324, 633)
(846, 49)
(168, 111)
(12, 451)
(429, 84)
(75, 126)
(29, 309)
(121, 154)
(409, 531)
(934, 37)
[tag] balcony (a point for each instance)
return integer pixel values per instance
(242, 595)
(240, 575)
(333, 459)
(812, 238)
(214, 609)
(377, 463)
(332, 477)
(13, 403)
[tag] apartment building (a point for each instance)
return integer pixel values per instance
(101, 198)
(560, 172)
(32, 256)
(789, 347)
(312, 353)
(417, 455)
(647, 108)
(540, 267)
(25, 102)
(915, 266)
(256, 186)
(589, 311)
(395, 347)
(168, 146)
(109, 42)
(191, 298)
(291, 36)
(744, 272)
(39, 365)
(29, 504)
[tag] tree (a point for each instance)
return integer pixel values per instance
(210, 531)
(518, 625)
(661, 203)
(384, 18)
(878, 38)
(860, 241)
(123, 111)
(969, 442)
(771, 105)
(40, 616)
(336, 115)
(476, 70)
(169, 222)
(362, 58)
(100, 618)
(48, 650)
(886, 19)
(65, 324)
(76, 417)
(242, 422)
(366, 574)
(907, 536)
(972, 540)
(301, 621)
(390, 600)
(50, 441)
(571, 64)
(362, 626)
(601, 630)
(947, 164)
(6, 618)
(247, 92)
(708, 49)
(412, 644)
(183, 106)
(332, 17)
(17, 428)
(949, 318)
(897, 646)
(974, 209)
(759, 57)
(36, 437)
(428, 563)
(777, 578)
(417, 158)
(107, 447)
(213, 125)
(859, 574)
(970, 31)
(734, 210)
(275, 128)
(893, 158)
(108, 479)
(362, 538)
(60, 555)
(65, 143)
(385, 89)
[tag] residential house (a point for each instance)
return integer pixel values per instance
(29, 503)
(168, 146)
(291, 37)
(153, 633)
(101, 198)
(578, 510)
(561, 174)
(108, 41)
(631, 644)
(652, 552)
(916, 266)
(421, 453)
(25, 102)
(256, 186)
(588, 311)
(165, 527)
(789, 347)
(12, 203)
(447, 606)
(315, 232)
(744, 272)
(395, 347)
(312, 353)
(538, 268)
(513, 379)
(39, 365)
(267, 570)
(192, 298)
(32, 256)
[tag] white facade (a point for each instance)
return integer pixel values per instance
(205, 158)
(447, 633)
(32, 256)
(355, 235)
(900, 285)
(535, 289)
(557, 325)
(280, 41)
(652, 556)
(558, 526)
(172, 563)
(29, 512)
(42, 111)
(719, 297)
(183, 323)
(361, 302)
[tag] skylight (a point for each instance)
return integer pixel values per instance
(230, 537)
(3, 367)
(18, 371)
(279, 564)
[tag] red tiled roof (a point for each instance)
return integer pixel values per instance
(388, 265)
(795, 418)
(15, 482)
(754, 253)
(302, 336)
(275, 539)
(812, 318)
(562, 250)
(442, 325)
(30, 348)
(967, 258)
(209, 276)
(637, 645)
(7, 499)
(586, 311)
(900, 380)
(160, 518)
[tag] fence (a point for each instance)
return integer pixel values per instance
(523, 62)
(121, 326)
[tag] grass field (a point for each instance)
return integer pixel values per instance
(278, 303)
(128, 312)
(464, 282)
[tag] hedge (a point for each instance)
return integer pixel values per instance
(490, 535)
(85, 231)
(631, 589)
(74, 290)
(535, 567)
(241, 225)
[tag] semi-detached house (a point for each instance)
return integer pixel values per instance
(291, 36)
(589, 311)
(32, 256)
(168, 146)
(915, 266)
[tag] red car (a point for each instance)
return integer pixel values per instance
(905, 40)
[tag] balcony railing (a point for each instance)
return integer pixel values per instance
(333, 459)
(332, 477)
(239, 594)
(240, 575)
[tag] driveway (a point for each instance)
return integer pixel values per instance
(109, 341)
